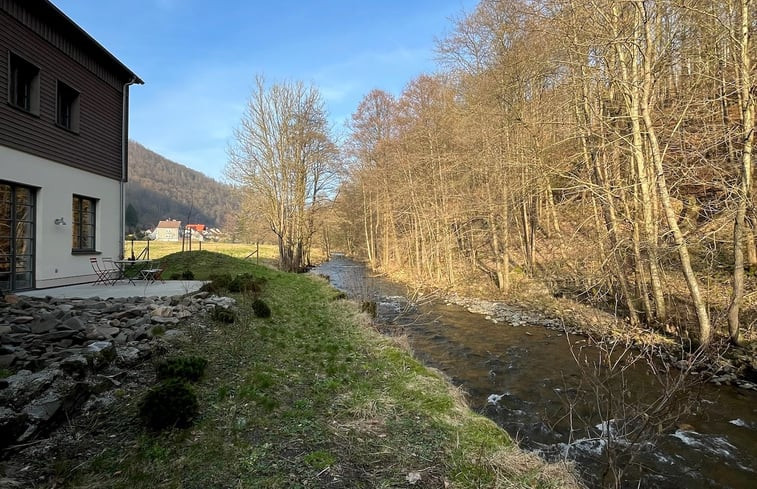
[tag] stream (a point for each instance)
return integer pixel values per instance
(527, 380)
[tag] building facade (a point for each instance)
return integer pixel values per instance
(168, 230)
(63, 142)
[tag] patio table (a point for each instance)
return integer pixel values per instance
(128, 265)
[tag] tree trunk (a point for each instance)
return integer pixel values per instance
(745, 177)
(705, 330)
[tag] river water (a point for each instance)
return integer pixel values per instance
(527, 380)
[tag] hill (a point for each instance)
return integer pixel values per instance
(159, 188)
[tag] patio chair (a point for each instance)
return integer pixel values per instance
(152, 274)
(103, 275)
(109, 267)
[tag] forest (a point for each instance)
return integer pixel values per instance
(159, 188)
(601, 149)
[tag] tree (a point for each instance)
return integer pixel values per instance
(283, 159)
(131, 217)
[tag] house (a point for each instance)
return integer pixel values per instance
(168, 230)
(196, 227)
(195, 231)
(63, 148)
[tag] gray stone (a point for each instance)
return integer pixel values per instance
(20, 328)
(175, 335)
(100, 353)
(75, 323)
(127, 355)
(121, 338)
(162, 311)
(75, 364)
(107, 331)
(44, 408)
(57, 335)
(24, 385)
(23, 319)
(7, 360)
(164, 320)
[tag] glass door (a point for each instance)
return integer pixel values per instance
(16, 237)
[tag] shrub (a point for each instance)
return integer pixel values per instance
(175, 276)
(187, 275)
(245, 282)
(261, 309)
(224, 315)
(221, 281)
(188, 368)
(170, 403)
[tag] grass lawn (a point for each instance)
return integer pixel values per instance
(311, 397)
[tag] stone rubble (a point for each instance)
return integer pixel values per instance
(64, 351)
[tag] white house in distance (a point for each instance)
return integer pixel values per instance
(63, 148)
(168, 230)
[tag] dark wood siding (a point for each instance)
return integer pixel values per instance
(97, 146)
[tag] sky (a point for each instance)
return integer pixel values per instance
(199, 59)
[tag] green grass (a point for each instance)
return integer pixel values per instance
(310, 397)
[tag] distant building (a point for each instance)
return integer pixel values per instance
(197, 227)
(168, 230)
(63, 111)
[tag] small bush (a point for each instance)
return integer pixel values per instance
(188, 368)
(170, 403)
(245, 282)
(175, 276)
(261, 309)
(224, 315)
(158, 330)
(218, 283)
(187, 275)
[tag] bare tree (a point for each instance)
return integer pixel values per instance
(283, 156)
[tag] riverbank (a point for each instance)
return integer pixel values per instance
(532, 304)
(311, 397)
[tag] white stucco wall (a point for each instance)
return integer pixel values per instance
(56, 184)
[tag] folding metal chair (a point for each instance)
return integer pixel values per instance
(103, 276)
(114, 273)
(152, 274)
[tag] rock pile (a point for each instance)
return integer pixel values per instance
(65, 350)
(500, 312)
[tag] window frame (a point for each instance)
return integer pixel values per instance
(77, 224)
(27, 74)
(66, 95)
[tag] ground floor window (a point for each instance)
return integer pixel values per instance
(83, 235)
(16, 237)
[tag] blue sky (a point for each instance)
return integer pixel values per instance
(199, 58)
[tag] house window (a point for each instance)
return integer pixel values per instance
(23, 89)
(67, 107)
(83, 223)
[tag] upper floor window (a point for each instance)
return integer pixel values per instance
(67, 107)
(83, 223)
(23, 89)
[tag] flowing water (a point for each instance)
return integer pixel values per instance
(524, 378)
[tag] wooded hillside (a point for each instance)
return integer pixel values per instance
(160, 189)
(602, 149)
